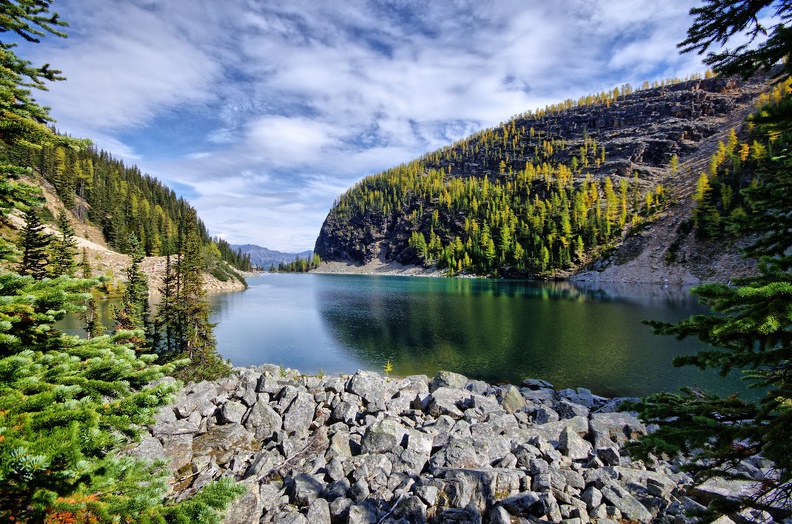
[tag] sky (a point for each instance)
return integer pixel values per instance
(261, 113)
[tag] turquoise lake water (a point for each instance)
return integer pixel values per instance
(573, 335)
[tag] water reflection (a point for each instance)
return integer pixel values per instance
(572, 334)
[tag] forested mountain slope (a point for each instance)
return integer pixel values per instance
(549, 192)
(119, 200)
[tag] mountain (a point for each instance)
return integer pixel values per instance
(264, 258)
(577, 185)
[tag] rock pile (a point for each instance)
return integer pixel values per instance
(367, 448)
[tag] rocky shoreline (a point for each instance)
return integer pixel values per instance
(365, 448)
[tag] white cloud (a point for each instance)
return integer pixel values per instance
(284, 106)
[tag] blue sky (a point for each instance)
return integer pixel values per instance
(261, 113)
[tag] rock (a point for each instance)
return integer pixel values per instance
(339, 508)
(245, 509)
(521, 503)
(361, 514)
(628, 505)
(263, 421)
(447, 379)
(544, 414)
(534, 384)
(223, 442)
(512, 399)
(447, 401)
(199, 395)
(232, 412)
(592, 497)
(319, 512)
(382, 436)
(411, 509)
(298, 416)
(179, 449)
(345, 412)
(568, 409)
(149, 449)
(729, 489)
(370, 387)
(608, 429)
(572, 445)
(290, 517)
(305, 489)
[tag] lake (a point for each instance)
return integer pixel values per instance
(571, 334)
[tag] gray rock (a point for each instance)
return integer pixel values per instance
(199, 394)
(729, 489)
(512, 399)
(538, 396)
(339, 508)
(319, 512)
(609, 429)
(345, 412)
(337, 489)
(592, 497)
(628, 505)
(370, 387)
(499, 515)
(382, 436)
(245, 509)
(264, 462)
(568, 409)
(179, 449)
(359, 491)
(572, 445)
(232, 412)
(298, 416)
(546, 507)
(448, 401)
(447, 379)
(149, 449)
(223, 442)
(270, 494)
(290, 517)
(361, 514)
(339, 445)
(305, 488)
(544, 415)
(534, 383)
(521, 503)
(263, 421)
(411, 509)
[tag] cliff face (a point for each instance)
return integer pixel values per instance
(635, 138)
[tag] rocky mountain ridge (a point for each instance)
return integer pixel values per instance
(640, 133)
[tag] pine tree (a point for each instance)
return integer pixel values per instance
(34, 243)
(133, 314)
(63, 248)
(751, 325)
(68, 406)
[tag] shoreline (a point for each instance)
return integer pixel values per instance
(371, 448)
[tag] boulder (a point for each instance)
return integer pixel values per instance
(298, 416)
(512, 399)
(630, 507)
(447, 379)
(448, 401)
(263, 421)
(382, 436)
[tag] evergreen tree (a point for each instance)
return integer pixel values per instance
(63, 248)
(68, 406)
(134, 311)
(751, 328)
(184, 312)
(34, 243)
